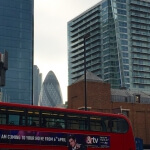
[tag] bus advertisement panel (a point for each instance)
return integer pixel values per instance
(49, 138)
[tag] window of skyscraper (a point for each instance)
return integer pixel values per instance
(105, 4)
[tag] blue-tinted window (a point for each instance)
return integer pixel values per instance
(106, 76)
(127, 85)
(122, 18)
(106, 40)
(106, 33)
(125, 67)
(26, 44)
(105, 45)
(127, 80)
(8, 13)
(125, 54)
(122, 24)
(121, 1)
(124, 48)
(124, 42)
(14, 73)
(141, 86)
(126, 61)
(26, 35)
(119, 5)
(105, 10)
(124, 30)
(126, 73)
(121, 12)
(123, 36)
(24, 74)
(10, 84)
(104, 4)
(26, 25)
(26, 16)
(105, 17)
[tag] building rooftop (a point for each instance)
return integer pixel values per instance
(127, 92)
(89, 77)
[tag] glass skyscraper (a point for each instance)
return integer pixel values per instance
(50, 92)
(16, 37)
(37, 84)
(118, 48)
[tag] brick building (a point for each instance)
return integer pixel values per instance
(100, 97)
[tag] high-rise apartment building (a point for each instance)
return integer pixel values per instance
(37, 84)
(118, 46)
(16, 37)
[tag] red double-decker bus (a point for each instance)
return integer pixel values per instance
(26, 127)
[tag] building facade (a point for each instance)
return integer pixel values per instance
(37, 84)
(16, 36)
(50, 94)
(118, 45)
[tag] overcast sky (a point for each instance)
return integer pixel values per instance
(50, 36)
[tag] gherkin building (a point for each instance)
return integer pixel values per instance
(50, 94)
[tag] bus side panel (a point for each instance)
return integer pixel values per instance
(129, 142)
(117, 142)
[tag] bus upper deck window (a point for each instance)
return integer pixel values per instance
(97, 124)
(122, 126)
(33, 118)
(3, 118)
(52, 119)
(15, 116)
(116, 125)
(76, 121)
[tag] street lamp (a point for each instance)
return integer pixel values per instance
(85, 98)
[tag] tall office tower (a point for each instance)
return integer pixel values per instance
(16, 37)
(51, 92)
(37, 84)
(117, 48)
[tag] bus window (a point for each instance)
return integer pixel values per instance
(15, 115)
(83, 123)
(22, 120)
(75, 121)
(58, 123)
(3, 119)
(44, 122)
(58, 119)
(33, 118)
(97, 124)
(52, 119)
(116, 125)
(122, 126)
(45, 119)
